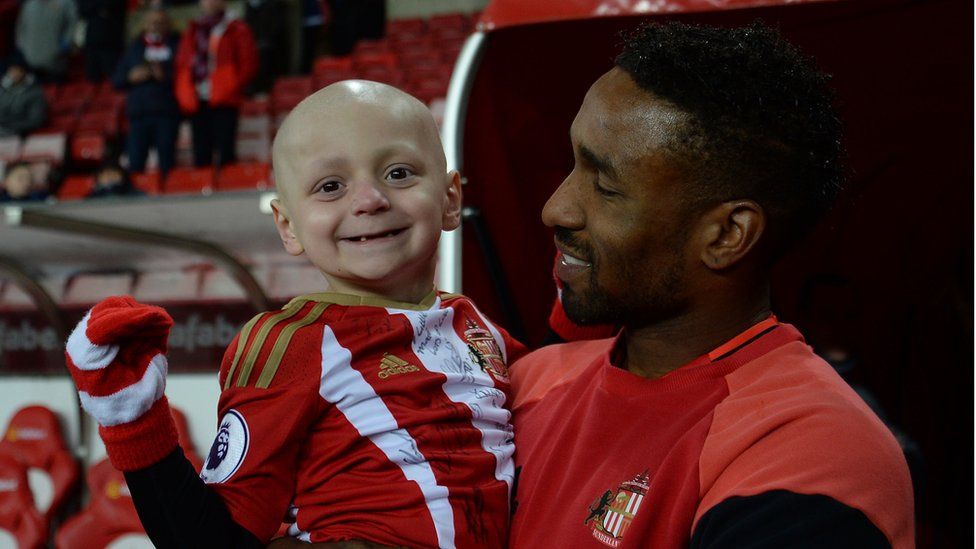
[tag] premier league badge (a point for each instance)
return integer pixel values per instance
(228, 449)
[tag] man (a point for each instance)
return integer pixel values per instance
(22, 104)
(216, 61)
(706, 422)
(145, 72)
(44, 34)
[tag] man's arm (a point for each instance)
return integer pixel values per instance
(781, 518)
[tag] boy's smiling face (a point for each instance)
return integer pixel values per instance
(364, 191)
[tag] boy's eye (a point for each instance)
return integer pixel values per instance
(399, 173)
(330, 187)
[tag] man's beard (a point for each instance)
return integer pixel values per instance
(642, 302)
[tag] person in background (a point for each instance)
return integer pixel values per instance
(19, 185)
(44, 32)
(22, 104)
(216, 61)
(112, 180)
(270, 36)
(104, 36)
(146, 74)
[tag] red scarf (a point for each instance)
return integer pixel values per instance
(205, 26)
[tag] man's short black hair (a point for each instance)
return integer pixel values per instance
(762, 124)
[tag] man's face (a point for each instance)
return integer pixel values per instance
(157, 23)
(211, 7)
(16, 73)
(366, 199)
(620, 220)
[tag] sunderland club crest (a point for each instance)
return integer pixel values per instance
(484, 351)
(611, 513)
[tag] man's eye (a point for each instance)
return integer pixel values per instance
(399, 173)
(603, 190)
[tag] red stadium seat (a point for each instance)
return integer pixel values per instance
(106, 122)
(286, 102)
(386, 75)
(60, 123)
(449, 21)
(410, 60)
(324, 78)
(448, 36)
(20, 523)
(50, 93)
(87, 148)
(75, 187)
(68, 106)
(147, 182)
(400, 27)
(244, 177)
(109, 517)
(332, 63)
(189, 180)
(292, 85)
(371, 47)
(250, 107)
(34, 437)
(82, 89)
(362, 61)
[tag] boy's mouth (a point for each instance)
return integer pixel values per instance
(374, 236)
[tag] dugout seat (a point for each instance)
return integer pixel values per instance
(21, 525)
(109, 519)
(34, 437)
(87, 148)
(147, 182)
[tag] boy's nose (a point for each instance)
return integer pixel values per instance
(369, 198)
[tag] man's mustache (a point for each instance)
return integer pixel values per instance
(569, 241)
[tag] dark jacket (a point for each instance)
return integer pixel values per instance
(152, 97)
(104, 23)
(22, 107)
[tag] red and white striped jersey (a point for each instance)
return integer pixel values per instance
(378, 421)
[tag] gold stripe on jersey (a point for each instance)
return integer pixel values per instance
(281, 345)
(255, 350)
(241, 343)
(355, 300)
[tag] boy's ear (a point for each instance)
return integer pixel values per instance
(452, 202)
(285, 229)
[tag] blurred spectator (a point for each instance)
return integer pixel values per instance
(19, 185)
(112, 180)
(313, 20)
(215, 63)
(267, 22)
(44, 34)
(22, 104)
(104, 36)
(353, 20)
(146, 73)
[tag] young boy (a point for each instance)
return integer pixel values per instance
(377, 409)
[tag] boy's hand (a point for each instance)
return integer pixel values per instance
(115, 356)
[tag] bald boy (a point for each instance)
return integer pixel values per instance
(376, 411)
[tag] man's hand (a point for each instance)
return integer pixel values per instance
(138, 74)
(292, 543)
(116, 357)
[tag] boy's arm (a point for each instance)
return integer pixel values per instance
(116, 356)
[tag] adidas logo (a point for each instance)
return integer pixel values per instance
(391, 366)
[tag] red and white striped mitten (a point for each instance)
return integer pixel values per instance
(116, 357)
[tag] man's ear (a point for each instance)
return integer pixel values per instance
(452, 203)
(730, 231)
(285, 228)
